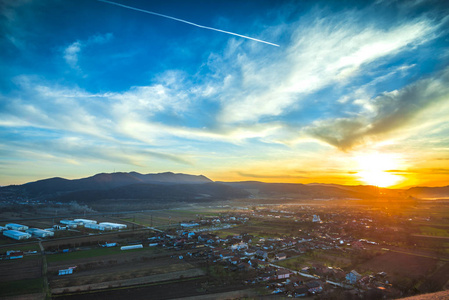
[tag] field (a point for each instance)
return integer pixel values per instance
(340, 260)
(21, 276)
(166, 217)
(105, 268)
(174, 289)
(21, 287)
(400, 264)
(434, 231)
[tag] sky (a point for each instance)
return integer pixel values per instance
(345, 92)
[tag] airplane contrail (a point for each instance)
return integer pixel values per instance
(187, 22)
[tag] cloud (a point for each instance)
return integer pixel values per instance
(71, 53)
(324, 51)
(392, 112)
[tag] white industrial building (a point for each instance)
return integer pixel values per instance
(70, 223)
(187, 225)
(97, 226)
(17, 235)
(85, 221)
(41, 233)
(14, 226)
(114, 225)
(130, 247)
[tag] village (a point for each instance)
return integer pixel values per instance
(288, 251)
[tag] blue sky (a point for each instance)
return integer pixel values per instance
(91, 87)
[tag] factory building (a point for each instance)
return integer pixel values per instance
(3, 228)
(97, 226)
(14, 226)
(114, 225)
(17, 235)
(70, 223)
(40, 233)
(85, 221)
(130, 247)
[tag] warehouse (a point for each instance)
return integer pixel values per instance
(17, 235)
(14, 226)
(70, 223)
(97, 226)
(85, 221)
(130, 247)
(2, 228)
(36, 232)
(114, 225)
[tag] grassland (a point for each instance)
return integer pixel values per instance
(435, 231)
(21, 287)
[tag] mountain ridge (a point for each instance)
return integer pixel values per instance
(185, 187)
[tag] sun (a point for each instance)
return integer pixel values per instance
(375, 169)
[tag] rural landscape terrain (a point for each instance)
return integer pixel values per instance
(184, 236)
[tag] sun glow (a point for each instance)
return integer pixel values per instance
(375, 169)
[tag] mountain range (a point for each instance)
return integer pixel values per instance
(175, 187)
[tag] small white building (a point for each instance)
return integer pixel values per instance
(85, 221)
(66, 271)
(36, 232)
(113, 225)
(17, 235)
(14, 226)
(316, 219)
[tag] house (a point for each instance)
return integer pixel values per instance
(224, 254)
(300, 291)
(244, 266)
(250, 252)
(239, 246)
(352, 277)
(280, 256)
(12, 254)
(235, 260)
(283, 273)
(314, 286)
(247, 238)
(262, 254)
(266, 276)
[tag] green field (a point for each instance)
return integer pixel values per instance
(26, 247)
(428, 230)
(21, 287)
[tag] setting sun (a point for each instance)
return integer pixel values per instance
(374, 169)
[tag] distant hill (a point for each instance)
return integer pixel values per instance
(159, 193)
(105, 181)
(429, 192)
(302, 191)
(144, 189)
